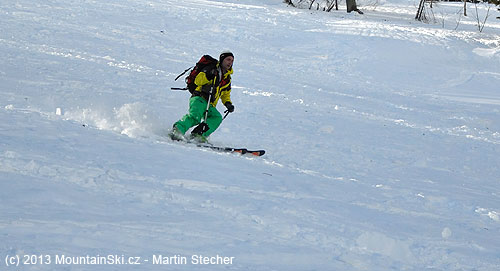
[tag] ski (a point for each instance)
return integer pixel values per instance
(242, 151)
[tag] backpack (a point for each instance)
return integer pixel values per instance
(204, 62)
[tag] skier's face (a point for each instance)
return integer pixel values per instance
(227, 63)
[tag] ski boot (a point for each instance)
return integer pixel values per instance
(176, 135)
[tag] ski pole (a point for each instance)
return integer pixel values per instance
(227, 113)
(183, 73)
(203, 126)
(208, 103)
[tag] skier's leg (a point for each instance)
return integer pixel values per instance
(214, 119)
(197, 107)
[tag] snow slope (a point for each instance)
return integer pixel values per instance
(382, 137)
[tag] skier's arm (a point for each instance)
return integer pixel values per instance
(226, 94)
(202, 80)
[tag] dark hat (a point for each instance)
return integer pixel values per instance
(225, 54)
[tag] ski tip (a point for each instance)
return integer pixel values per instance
(257, 153)
(247, 152)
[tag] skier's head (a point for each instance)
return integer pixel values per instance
(226, 59)
(225, 54)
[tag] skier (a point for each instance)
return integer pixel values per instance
(212, 83)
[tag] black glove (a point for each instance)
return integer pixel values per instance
(230, 107)
(200, 129)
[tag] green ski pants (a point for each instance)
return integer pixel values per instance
(197, 107)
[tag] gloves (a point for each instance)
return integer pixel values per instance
(200, 129)
(230, 107)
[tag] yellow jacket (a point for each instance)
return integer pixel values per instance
(222, 85)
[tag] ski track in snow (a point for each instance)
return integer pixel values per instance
(87, 57)
(473, 133)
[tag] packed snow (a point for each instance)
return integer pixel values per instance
(381, 132)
